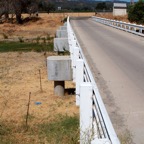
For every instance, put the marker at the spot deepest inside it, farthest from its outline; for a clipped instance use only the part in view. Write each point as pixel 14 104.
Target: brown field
pixel 110 16
pixel 45 25
pixel 19 75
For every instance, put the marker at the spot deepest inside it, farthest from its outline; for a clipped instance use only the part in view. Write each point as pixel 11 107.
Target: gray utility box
pixel 61 34
pixel 59 68
pixel 63 28
pixel 61 44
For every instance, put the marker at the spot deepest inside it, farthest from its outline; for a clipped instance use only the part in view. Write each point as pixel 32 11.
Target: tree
pixel 136 12
pixel 47 6
pixel 101 6
pixel 17 7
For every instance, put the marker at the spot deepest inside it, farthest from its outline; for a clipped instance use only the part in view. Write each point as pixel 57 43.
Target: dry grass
pixel 19 75
pixel 110 16
pixel 45 24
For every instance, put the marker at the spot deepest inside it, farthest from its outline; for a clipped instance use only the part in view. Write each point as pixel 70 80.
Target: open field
pixel 19 76
pixel 44 25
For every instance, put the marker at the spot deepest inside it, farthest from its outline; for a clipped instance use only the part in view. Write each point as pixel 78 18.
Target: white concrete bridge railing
pixel 95 124
pixel 128 27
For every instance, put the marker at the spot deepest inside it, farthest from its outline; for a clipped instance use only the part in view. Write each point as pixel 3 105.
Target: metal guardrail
pixel 128 27
pixel 93 114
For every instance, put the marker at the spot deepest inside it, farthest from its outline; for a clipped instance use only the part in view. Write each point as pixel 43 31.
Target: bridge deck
pixel 117 60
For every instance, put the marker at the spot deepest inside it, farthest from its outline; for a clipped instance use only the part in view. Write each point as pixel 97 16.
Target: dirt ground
pixel 19 75
pixel 45 24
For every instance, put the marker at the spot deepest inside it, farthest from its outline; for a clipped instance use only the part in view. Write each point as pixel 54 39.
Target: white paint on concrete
pixel 79 79
pixel 61 34
pixel 61 44
pixel 85 112
pixel 59 68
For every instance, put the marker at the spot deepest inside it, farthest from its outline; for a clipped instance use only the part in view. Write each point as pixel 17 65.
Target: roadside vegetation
pixel 63 129
pixel 25 47
pixel 136 12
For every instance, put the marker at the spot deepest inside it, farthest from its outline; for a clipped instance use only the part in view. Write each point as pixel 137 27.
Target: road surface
pixel 117 61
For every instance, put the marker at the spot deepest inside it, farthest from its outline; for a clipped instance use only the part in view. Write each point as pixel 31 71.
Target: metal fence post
pixel 79 79
pixel 85 113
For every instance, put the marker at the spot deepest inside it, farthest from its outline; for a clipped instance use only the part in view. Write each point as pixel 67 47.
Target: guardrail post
pixel 140 30
pixel 84 92
pixel 72 44
pixel 85 113
pixel 74 59
pixel 79 79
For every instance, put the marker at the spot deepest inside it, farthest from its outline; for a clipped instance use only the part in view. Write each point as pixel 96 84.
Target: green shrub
pixel 136 12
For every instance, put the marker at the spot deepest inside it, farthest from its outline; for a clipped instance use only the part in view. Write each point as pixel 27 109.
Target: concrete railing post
pixel 72 44
pixel 79 79
pixel 74 59
pixel 101 141
pixel 85 113
pixel 59 70
pixel 59 88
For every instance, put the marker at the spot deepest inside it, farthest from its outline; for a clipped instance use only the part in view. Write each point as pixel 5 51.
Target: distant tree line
pixel 84 6
pixel 17 7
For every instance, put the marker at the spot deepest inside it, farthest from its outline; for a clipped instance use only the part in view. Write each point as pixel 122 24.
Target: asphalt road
pixel 117 61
